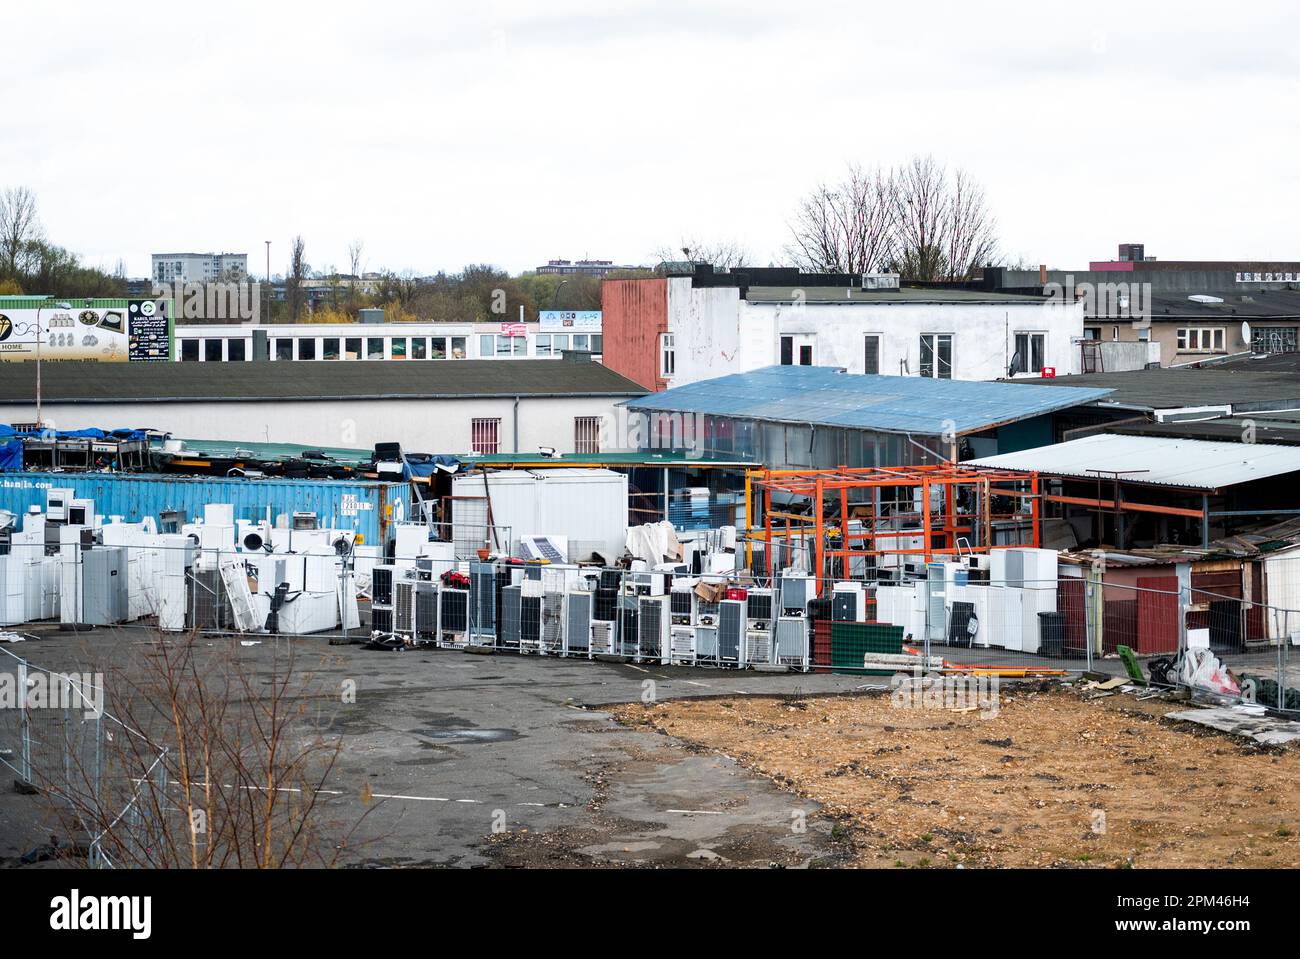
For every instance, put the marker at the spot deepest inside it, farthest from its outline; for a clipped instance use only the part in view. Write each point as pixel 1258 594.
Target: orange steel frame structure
pixel 822 485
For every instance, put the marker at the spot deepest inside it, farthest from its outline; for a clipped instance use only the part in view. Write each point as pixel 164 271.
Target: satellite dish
pixel 1245 332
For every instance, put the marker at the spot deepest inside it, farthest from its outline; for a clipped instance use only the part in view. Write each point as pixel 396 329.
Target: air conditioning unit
pixel 404 608
pixel 653 629
pixel 602 638
pixel 381 584
pixel 758 647
pixel 682 602
pixel 426 610
pixel 453 617
pixel 628 638
pixel 577 627
pixel 848 602
pixel 511 617
pixel 682 639
pixel 792 642
pixel 731 630
pixel 759 605
pixel 706 644
pixel 796 588
pixel 552 623
pixel 483 601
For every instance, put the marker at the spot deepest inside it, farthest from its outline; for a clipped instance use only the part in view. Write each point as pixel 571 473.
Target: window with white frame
pixel 936 355
pixel 1201 339
pixel 1030 348
pixel 667 355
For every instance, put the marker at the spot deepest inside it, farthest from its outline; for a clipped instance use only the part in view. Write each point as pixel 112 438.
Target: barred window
pixel 484 435
pixel 586 434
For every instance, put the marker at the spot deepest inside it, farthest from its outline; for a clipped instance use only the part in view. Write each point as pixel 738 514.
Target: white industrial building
pixel 460 408
pixel 673 331
pixel 943 334
pixel 552 336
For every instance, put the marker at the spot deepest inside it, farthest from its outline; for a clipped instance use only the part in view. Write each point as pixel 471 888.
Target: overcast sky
pixel 511 133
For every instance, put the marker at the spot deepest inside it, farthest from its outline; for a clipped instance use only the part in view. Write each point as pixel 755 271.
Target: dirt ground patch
pixel 936 787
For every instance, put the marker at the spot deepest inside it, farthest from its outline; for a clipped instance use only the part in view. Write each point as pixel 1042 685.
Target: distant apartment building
pixel 198 267
pixel 664 332
pixel 580 267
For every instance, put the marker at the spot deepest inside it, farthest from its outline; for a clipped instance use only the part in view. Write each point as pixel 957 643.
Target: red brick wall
pixel 633 314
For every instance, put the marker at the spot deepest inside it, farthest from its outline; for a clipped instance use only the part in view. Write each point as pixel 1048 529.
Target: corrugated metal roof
pixel 826 396
pixel 1198 464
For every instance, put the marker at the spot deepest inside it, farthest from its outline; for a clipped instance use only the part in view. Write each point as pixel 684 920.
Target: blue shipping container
pixel 367 507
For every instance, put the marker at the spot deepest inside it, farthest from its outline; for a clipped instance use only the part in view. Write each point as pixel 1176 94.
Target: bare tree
pixel 972 231
pixel 915 220
pixel 844 228
pixel 918 205
pixel 20 227
pixel 355 249
pixel 722 254
pixel 298 270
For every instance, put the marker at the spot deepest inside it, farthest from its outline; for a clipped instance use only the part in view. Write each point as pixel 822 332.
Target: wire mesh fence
pixel 57 739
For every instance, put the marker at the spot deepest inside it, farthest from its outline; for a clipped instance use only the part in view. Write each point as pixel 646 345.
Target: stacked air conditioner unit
pixel 511 617
pixel 532 595
pixel 404 610
pixel 453 617
pixel 791 639
pixel 654 625
pixel 628 641
pixel 796 588
pixel 848 602
pixel 682 645
pixel 731 631
pixel 483 602
pixel 382 582
pixel 579 605
pixel 602 638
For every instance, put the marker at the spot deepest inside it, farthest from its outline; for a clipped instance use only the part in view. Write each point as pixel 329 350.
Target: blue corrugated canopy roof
pixel 826 396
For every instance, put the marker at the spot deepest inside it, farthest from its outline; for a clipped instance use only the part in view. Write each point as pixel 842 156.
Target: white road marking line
pixel 692 682
pixel 638 669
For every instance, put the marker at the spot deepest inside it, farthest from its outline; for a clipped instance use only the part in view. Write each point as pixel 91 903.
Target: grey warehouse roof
pixel 1196 464
pixel 69 382
pixel 826 396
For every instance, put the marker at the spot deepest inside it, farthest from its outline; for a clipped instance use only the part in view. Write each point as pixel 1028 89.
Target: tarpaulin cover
pixel 11 455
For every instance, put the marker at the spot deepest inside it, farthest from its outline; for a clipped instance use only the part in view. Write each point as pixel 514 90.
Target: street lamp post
pixel 56 306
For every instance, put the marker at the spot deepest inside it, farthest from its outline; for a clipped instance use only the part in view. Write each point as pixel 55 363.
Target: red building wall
pixel 633 314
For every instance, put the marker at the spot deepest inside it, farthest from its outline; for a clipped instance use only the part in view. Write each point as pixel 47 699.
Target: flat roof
pixel 1165 461
pixel 613 460
pixel 827 396
pixel 907 294
pixel 277 381
pixel 1238 385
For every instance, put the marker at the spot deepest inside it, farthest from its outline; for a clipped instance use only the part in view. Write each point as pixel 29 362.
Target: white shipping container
pixel 589 506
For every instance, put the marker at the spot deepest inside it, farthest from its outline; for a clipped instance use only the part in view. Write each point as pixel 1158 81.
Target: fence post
pixel 25 726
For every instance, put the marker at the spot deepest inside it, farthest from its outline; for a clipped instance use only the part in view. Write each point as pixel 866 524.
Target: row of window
pixel 936 352
pixel 217 349
pixel 485 435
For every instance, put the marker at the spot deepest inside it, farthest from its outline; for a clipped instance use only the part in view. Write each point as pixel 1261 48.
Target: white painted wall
pixel 717 333
pixel 429 426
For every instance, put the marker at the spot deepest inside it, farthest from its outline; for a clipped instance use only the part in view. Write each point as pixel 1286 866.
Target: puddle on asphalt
pixel 472 735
